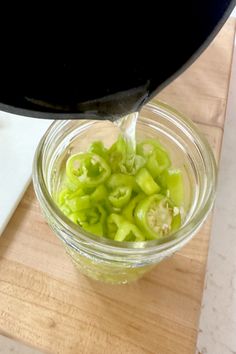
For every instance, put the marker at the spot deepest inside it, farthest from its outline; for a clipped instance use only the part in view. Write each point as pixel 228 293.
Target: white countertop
pixel 217 331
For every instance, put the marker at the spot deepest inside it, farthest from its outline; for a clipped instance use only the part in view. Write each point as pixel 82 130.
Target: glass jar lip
pixel 75 234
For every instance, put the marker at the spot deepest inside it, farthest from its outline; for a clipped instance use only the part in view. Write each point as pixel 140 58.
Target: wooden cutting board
pixel 46 303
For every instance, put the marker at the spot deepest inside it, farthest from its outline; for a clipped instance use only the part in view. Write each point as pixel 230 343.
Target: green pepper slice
pixel 157 216
pixel 63 195
pixel 100 194
pixel 128 211
pixel 146 182
pixel 172 181
pixel 128 232
pixel 157 162
pixel 87 169
pixel 66 194
pixel 91 220
pixel 78 203
pixel 97 147
pixel 113 223
pixel 120 229
pixel 120 179
pixel 120 196
pixel 146 147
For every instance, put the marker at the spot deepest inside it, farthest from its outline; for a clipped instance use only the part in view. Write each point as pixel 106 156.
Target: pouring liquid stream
pixel 127 126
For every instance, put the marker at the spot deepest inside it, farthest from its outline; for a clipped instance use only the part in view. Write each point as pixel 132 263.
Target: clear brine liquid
pixel 127 125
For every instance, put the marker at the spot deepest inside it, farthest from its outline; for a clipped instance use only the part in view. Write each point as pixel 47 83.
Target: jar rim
pixel 76 237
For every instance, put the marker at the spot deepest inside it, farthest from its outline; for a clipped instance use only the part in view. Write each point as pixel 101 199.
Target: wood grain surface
pixel 46 303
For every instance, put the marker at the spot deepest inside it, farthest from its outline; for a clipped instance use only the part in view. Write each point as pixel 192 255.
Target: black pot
pixel 115 61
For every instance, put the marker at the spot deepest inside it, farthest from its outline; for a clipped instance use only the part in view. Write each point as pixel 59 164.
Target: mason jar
pixel 122 262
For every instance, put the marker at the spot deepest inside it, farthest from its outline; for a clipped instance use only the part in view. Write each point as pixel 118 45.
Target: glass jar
pixel 122 262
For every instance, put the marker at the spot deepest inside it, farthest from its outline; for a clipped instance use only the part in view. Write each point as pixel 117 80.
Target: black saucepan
pixel 109 62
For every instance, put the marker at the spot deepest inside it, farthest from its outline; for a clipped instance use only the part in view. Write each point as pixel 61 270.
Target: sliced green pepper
pixel 146 182
pixel 128 211
pixel 96 229
pixel 128 232
pixel 172 181
pixel 63 195
pixel 98 148
pixel 100 194
pixel 120 179
pixel 66 194
pixel 79 203
pixel 90 192
pixel 113 223
pixel 73 187
pixel 87 169
pixel 146 147
pixel 120 229
pixel 157 216
pixel 110 209
pixel 157 162
pixel 91 220
pixel 120 196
